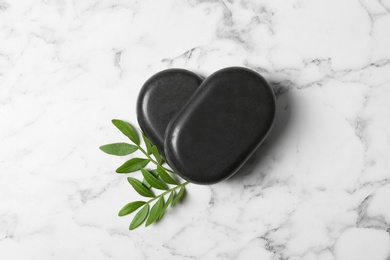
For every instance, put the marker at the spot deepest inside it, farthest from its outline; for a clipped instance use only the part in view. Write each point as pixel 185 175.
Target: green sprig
pixel 158 179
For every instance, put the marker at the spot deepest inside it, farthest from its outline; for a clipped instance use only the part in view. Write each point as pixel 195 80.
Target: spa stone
pixel 160 98
pixel 221 126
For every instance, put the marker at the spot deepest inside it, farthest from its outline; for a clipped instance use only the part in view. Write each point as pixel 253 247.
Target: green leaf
pixel 156 154
pixel 119 149
pixel 153 181
pixel 179 195
pixel 127 130
pixel 132 165
pixel 170 198
pixel 140 188
pixel 146 184
pixel 154 172
pixel 165 176
pixel 147 144
pixel 140 217
pixel 155 211
pixel 132 206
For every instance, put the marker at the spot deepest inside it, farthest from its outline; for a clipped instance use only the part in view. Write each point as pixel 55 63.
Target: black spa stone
pixel 220 127
pixel 160 98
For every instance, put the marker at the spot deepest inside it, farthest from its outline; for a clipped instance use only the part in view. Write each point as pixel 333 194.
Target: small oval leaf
pixel 165 176
pixel 155 211
pixel 179 195
pixel 147 144
pixel 156 154
pixel 119 149
pixel 153 181
pixel 140 188
pixel 140 217
pixel 170 198
pixel 132 165
pixel 127 130
pixel 130 207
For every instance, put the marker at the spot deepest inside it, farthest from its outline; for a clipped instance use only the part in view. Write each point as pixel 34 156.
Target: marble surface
pixel 319 187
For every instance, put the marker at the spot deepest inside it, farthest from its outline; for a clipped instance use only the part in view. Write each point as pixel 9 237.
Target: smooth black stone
pixel 221 126
pixel 160 98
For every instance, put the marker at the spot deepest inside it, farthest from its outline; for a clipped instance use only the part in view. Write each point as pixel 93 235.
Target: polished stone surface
pixel 160 98
pixel 316 189
pixel 221 125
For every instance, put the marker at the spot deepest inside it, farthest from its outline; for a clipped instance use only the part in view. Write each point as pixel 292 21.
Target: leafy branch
pixel 157 179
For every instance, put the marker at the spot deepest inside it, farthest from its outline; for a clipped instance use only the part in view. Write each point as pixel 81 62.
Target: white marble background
pixel 319 188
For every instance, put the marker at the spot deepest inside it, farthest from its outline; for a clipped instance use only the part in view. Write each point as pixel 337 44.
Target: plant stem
pixel 168 191
pixel 151 159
